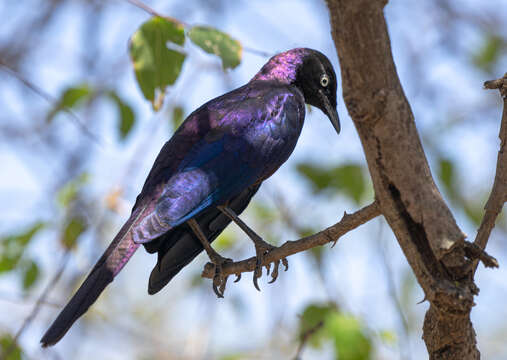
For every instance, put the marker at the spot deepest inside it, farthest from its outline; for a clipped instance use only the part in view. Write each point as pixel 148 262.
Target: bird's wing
pixel 123 247
pixel 207 161
pixel 213 172
pixel 227 159
pixel 178 247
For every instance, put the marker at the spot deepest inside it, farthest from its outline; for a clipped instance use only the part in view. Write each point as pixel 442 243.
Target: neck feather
pixel 283 67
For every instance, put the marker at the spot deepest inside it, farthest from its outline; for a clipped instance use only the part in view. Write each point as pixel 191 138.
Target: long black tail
pixel 110 263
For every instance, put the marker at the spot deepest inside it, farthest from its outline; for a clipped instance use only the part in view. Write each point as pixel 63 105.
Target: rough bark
pixel 405 191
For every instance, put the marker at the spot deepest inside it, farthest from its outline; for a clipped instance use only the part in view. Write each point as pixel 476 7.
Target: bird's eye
pixel 324 80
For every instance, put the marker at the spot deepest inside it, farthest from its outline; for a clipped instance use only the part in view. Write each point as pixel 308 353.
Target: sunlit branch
pixel 498 195
pixel 331 234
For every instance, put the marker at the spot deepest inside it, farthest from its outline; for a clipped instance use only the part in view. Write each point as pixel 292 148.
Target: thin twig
pixel 18 299
pixel 331 234
pixel 153 12
pixel 40 301
pixel 498 195
pixel 257 51
pixel 305 336
pixel 50 99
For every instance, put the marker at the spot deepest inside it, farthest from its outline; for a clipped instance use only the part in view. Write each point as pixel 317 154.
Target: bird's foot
pixel 219 280
pixel 262 248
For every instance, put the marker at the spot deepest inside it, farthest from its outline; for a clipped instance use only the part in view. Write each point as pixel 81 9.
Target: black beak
pixel 331 112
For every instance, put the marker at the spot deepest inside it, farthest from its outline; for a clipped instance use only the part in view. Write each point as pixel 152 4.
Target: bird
pixel 208 171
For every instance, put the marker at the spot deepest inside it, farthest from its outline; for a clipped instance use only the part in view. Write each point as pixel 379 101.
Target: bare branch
pixel 497 84
pixel 498 195
pixel 404 186
pixel 305 336
pixel 24 300
pixel 331 234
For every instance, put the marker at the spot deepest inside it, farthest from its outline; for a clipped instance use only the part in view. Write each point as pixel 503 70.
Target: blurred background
pixel 77 140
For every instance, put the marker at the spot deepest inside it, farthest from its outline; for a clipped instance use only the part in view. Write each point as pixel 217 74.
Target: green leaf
pixel 177 118
pixel 127 116
pixel 488 54
pixel 71 232
pixel 155 65
pixel 12 247
pixel 446 173
pixel 30 274
pixel 70 98
pixel 474 212
pixel 348 178
pixel 327 322
pixel 350 342
pixel 214 41
pixel 6 344
pixel 312 321
pixel 68 192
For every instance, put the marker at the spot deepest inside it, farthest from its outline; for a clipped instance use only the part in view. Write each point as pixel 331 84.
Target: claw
pixel 219 281
pixel 222 286
pixel 257 272
pixel 268 268
pixel 216 283
pixel 255 283
pixel 285 263
pixel 274 274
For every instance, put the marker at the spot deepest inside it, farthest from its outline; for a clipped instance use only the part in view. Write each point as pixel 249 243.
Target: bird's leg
pixel 218 260
pixel 261 247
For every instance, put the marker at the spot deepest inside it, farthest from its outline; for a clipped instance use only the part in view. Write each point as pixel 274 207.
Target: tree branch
pixel 498 195
pixel 305 336
pixel 404 187
pixel 331 234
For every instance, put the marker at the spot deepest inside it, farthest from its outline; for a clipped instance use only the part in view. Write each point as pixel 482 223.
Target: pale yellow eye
pixel 324 80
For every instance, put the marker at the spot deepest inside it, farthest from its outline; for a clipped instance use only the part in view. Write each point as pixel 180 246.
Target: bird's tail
pixel 108 266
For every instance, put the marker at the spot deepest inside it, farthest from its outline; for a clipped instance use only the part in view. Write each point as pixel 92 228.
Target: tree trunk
pixel 404 188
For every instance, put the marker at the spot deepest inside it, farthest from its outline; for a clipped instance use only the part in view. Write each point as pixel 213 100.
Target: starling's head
pixel 312 72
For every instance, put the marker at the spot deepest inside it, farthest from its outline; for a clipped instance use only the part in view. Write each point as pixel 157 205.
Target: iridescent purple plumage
pixel 219 156
pixel 283 67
